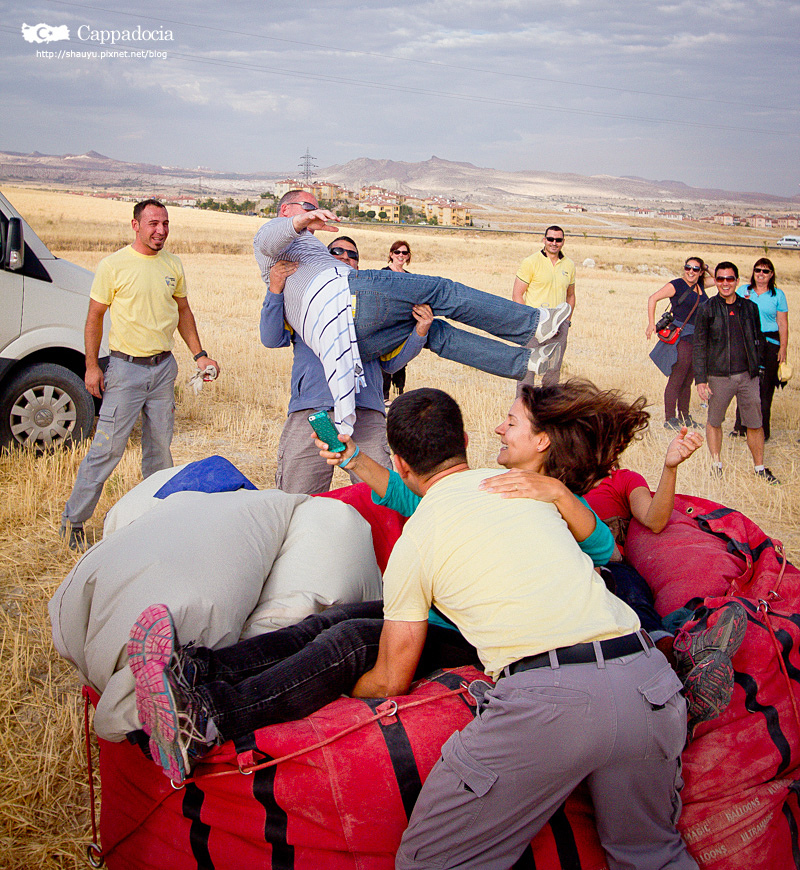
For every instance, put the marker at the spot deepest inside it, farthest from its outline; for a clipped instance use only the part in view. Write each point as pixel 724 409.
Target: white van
pixel 789 242
pixel 43 305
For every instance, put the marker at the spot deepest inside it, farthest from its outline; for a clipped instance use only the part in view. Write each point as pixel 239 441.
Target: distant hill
pixel 462 181
pixel 476 184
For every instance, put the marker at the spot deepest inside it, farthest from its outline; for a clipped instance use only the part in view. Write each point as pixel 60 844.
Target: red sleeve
pixel 612 496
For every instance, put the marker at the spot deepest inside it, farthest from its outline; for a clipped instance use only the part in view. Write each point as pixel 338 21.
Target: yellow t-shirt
pixel 547 284
pixel 507 572
pixel 141 292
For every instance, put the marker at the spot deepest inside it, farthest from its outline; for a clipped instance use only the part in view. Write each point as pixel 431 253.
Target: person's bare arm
pixel 666 292
pixel 187 327
pixel 654 511
pixel 363 466
pixel 571 298
pixel 518 290
pixel 92 337
pixel 398 656
pixel 783 333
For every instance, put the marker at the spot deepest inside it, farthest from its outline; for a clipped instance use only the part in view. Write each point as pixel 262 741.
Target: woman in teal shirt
pixel 774 311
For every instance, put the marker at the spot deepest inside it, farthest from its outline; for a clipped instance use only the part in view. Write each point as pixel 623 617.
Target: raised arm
pixel 653 511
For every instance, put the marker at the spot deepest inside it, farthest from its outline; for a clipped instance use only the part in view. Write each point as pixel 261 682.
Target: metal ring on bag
pixel 93 849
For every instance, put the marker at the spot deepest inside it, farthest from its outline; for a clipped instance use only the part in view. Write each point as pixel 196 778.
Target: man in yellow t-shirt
pixel 581 693
pixel 547 278
pixel 143 289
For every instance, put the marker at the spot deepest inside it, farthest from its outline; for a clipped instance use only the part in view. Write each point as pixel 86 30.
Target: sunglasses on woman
pixel 402 253
pixel 763 271
pixel 692 269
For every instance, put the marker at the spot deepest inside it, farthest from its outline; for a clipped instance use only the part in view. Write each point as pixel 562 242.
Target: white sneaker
pixel 544 358
pixel 550 320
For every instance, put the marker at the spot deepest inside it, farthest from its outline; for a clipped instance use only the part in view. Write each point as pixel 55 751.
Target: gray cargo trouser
pixel 130 390
pixel 620 724
pixel 302 469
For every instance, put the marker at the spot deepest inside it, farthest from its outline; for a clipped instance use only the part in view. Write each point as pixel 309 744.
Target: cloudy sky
pixel 700 92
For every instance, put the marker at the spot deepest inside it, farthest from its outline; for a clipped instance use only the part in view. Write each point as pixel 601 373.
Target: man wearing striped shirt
pixel 319 298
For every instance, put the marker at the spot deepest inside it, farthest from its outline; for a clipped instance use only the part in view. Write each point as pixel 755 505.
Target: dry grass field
pixel 44 820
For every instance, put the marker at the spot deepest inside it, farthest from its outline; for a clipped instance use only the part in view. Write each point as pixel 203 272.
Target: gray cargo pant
pixel 619 724
pixel 302 469
pixel 130 390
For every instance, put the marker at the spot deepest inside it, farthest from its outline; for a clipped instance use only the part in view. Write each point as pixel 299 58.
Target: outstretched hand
pixel 682 446
pixel 316 220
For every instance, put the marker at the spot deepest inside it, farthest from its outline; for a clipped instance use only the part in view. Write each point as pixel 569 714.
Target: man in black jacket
pixel 728 353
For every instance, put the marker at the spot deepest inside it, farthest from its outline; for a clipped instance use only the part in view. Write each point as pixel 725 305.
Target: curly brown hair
pixel 588 429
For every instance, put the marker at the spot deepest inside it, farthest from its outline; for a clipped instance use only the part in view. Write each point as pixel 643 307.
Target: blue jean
pixel 289 673
pixel 383 320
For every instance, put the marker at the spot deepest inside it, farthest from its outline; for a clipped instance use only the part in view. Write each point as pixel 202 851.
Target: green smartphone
pixel 326 431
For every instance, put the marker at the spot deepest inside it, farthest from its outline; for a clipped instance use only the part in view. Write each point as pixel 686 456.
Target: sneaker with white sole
pixel 550 320
pixel 179 727
pixel 152 637
pixel 543 358
pixel 766 475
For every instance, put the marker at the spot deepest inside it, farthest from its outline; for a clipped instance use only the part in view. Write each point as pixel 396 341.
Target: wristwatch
pixel 198 355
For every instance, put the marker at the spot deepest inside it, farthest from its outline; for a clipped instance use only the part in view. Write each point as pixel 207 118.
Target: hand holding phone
pixel 326 431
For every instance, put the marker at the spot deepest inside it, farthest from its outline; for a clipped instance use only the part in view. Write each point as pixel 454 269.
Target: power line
pixel 495 101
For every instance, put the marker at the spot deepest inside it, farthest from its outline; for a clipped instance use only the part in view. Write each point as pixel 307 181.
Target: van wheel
pixel 45 406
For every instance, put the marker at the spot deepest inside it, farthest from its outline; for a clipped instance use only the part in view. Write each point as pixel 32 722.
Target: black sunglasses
pixel 688 268
pixel 553 239
pixel 344 252
pixel 763 271
pixel 398 251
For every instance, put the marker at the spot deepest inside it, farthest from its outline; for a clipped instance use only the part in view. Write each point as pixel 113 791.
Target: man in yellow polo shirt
pixel 143 289
pixel 547 278
pixel 581 693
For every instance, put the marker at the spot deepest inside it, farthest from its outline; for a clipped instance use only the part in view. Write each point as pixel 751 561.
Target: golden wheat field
pixel 44 805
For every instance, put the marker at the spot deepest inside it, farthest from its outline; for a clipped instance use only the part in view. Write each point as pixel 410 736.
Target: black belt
pixel 142 360
pixel 582 653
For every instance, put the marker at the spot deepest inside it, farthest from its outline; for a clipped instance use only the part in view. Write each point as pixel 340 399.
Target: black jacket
pixel 711 354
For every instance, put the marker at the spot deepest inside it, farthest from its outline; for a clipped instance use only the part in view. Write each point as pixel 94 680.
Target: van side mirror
pixel 14 258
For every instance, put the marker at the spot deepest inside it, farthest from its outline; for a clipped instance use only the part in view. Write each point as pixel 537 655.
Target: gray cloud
pixel 616 88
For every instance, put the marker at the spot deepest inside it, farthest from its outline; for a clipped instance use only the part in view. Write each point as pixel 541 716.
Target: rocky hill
pixel 462 181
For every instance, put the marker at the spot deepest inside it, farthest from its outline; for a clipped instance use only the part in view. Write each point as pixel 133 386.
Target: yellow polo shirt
pixel 507 572
pixel 140 292
pixel 547 284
